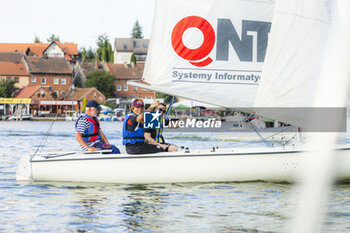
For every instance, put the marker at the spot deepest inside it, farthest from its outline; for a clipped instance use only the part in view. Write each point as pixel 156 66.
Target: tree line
pixel 103 50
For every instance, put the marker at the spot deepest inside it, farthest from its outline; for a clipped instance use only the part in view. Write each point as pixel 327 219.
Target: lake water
pixel 194 207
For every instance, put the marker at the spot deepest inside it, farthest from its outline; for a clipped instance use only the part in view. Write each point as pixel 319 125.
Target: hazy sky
pixel 77 21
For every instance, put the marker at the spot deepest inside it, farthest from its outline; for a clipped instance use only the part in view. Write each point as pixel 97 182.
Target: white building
pixel 125 47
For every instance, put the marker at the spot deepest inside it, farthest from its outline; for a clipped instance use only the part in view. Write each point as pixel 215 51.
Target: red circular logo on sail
pixel 194 56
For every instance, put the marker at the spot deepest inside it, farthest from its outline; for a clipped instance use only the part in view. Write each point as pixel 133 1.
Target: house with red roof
pixel 78 94
pixel 53 74
pixel 44 104
pixel 53 49
pixel 12 67
pixel 37 94
pixel 44 66
pixel 34 92
pixel 122 74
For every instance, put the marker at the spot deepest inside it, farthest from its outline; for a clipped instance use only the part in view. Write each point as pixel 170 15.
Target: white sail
pixel 316 178
pixel 207 50
pixel 299 35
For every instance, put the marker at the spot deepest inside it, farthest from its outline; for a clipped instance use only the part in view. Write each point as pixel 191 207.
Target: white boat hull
pixel 267 165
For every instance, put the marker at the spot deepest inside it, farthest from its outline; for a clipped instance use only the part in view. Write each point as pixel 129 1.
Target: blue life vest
pixel 92 133
pixel 132 137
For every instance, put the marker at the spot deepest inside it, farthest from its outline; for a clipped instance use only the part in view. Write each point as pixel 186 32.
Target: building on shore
pixel 79 94
pixel 124 48
pixel 53 49
pixel 36 94
pixel 12 67
pixel 124 93
pixel 54 74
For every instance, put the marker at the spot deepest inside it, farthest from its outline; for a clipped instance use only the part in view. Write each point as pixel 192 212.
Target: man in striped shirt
pixel 88 132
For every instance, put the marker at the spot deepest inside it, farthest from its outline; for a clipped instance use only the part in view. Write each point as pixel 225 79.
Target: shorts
pixel 104 146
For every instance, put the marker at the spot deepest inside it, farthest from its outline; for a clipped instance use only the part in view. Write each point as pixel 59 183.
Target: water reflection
pixel 142 207
pixel 131 208
pixel 87 207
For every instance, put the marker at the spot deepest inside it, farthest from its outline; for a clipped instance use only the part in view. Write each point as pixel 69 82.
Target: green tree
pixel 7 88
pixel 136 31
pixel 90 55
pixel 102 81
pixel 37 40
pixel 78 81
pixel 133 59
pixel 84 105
pixel 104 54
pixel 83 54
pixel 109 52
pixel 53 37
pixel 111 60
pixel 167 98
pixel 102 42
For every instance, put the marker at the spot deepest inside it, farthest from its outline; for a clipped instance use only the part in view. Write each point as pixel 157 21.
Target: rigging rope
pixel 159 133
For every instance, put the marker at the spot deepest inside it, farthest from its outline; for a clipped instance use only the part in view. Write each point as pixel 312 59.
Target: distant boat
pixel 24 118
pixel 71 115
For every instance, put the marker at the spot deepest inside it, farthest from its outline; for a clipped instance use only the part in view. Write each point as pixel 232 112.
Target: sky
pixel 75 21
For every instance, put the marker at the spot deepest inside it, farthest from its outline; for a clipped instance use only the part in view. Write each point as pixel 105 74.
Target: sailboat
pixel 224 70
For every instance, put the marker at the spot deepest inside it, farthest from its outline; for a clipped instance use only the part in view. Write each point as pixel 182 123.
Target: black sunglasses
pixel 161 110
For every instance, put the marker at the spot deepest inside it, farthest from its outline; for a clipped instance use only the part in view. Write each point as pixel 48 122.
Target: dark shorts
pixel 142 148
pixel 104 146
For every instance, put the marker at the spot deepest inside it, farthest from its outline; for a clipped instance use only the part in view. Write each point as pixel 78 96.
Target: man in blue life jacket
pixel 88 132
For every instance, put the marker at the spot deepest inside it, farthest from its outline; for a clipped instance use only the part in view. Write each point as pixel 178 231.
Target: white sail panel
pixel 208 49
pixel 299 35
pixel 305 64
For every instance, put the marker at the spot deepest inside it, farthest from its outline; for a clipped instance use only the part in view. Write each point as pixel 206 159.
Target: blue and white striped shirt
pixel 80 127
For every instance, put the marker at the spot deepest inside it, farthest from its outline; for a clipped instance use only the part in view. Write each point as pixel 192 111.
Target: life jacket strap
pixel 90 135
pixel 133 137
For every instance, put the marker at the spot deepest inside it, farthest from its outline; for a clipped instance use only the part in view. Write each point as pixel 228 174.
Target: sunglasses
pixel 161 110
pixel 138 103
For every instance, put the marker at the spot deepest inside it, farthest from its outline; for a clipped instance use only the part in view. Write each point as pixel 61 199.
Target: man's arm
pixel 151 141
pixel 79 138
pixel 153 106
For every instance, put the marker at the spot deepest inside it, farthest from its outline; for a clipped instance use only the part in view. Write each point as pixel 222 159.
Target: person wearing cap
pixel 133 131
pixel 88 132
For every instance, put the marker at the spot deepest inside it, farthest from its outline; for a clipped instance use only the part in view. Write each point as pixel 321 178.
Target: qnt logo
pixel 194 55
pixel 249 47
